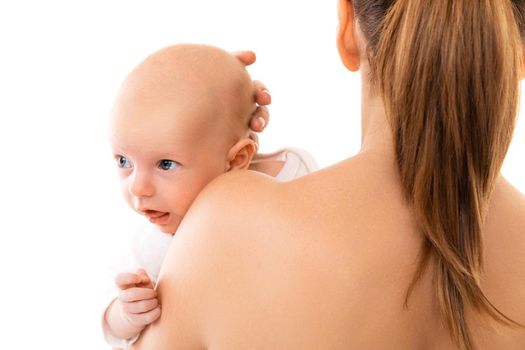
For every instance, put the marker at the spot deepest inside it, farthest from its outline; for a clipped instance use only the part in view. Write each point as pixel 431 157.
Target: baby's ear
pixel 241 154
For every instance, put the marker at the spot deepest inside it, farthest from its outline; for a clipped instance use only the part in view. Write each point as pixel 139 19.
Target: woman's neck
pixel 376 134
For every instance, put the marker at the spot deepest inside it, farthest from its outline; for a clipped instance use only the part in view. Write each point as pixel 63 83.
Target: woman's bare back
pixel 330 270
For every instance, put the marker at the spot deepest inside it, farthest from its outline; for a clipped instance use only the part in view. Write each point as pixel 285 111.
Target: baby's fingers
pixel 145 281
pixel 136 294
pixel 145 318
pixel 126 279
pixel 139 307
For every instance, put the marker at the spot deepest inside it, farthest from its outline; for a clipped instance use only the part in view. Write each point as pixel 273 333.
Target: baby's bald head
pixel 180 120
pixel 204 85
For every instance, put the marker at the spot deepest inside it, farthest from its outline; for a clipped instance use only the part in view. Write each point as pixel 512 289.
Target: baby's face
pixel 165 154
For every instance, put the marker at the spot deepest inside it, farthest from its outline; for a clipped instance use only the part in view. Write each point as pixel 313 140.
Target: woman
pixel 415 243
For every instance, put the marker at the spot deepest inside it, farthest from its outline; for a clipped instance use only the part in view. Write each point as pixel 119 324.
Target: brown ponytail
pixel 448 72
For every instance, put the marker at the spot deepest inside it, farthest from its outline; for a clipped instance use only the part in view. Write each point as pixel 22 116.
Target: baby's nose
pixel 141 186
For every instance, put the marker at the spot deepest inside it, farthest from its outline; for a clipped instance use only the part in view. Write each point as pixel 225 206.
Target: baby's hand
pixel 137 300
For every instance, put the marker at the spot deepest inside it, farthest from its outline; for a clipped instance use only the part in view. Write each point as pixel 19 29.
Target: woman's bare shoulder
pixel 237 185
pixel 505 224
pixel 209 259
pixel 507 207
pixel 250 243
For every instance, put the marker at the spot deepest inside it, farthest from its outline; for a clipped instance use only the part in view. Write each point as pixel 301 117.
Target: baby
pixel 181 119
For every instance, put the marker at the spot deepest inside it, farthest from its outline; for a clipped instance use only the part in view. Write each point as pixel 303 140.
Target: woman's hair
pixel 448 72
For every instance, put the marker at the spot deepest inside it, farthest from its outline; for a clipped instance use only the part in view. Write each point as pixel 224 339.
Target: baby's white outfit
pixel 150 244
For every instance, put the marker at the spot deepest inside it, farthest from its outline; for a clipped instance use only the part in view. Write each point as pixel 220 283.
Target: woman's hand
pixel 260 116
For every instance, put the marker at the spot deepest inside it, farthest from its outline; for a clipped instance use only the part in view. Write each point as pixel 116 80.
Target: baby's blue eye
pixel 167 164
pixel 122 162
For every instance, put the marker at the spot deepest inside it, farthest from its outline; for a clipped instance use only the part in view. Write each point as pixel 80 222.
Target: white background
pixel 61 63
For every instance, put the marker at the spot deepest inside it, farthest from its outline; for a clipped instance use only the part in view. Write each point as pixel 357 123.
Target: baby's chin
pixel 167 230
pixel 172 227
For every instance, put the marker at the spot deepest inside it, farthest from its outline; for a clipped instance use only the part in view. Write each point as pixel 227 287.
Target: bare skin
pixel 174 128
pixel 323 262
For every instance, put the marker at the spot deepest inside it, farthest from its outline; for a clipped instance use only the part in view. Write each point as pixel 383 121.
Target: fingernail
pixel 262 121
pixel 268 93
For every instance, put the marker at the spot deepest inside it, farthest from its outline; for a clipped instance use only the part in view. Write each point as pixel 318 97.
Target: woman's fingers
pixel 262 95
pixel 246 57
pixel 260 119
pixel 261 116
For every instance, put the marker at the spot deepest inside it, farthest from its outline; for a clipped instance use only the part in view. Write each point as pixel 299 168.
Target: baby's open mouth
pixel 157 217
pixel 154 213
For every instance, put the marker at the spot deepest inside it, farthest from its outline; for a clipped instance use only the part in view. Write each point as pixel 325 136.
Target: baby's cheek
pixel 181 201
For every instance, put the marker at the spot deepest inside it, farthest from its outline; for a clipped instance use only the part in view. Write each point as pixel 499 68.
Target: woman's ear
pixel 346 36
pixel 241 154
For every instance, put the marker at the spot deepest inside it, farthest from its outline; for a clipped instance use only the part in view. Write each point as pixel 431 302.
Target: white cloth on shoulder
pixel 297 162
